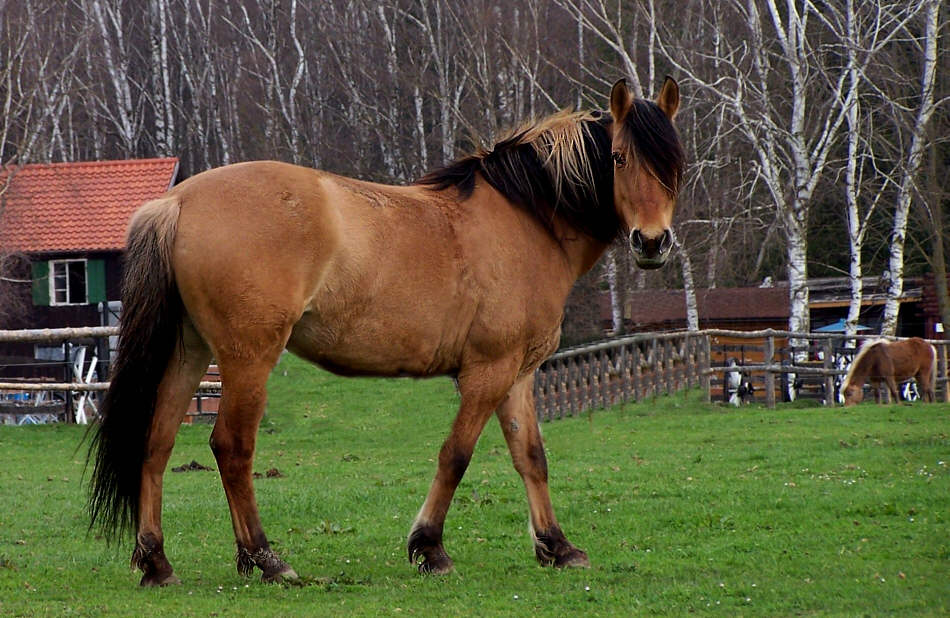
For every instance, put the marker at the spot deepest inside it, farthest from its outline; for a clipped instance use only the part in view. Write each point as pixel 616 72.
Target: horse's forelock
pixel 649 135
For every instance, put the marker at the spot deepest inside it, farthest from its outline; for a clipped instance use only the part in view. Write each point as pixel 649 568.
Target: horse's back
pixel 358 277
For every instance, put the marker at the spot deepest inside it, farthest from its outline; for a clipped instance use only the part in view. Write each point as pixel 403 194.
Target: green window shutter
pixel 96 281
pixel 40 283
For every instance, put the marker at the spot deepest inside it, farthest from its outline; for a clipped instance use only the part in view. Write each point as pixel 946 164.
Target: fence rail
pixel 626 369
pixel 621 370
pixel 77 395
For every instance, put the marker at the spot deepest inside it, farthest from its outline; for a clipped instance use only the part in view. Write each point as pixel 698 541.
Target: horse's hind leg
pixel 187 365
pixel 233 441
pixel 926 382
pixel 520 425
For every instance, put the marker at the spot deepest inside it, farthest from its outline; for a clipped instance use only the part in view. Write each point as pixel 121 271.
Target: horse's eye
pixel 620 159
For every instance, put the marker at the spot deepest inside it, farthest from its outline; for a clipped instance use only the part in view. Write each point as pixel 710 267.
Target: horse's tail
pixel 150 327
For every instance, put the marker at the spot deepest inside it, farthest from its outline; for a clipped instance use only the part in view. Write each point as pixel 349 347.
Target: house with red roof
pixel 67 221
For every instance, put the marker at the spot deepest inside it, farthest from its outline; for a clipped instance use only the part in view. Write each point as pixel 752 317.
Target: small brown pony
pixel 464 273
pixel 891 362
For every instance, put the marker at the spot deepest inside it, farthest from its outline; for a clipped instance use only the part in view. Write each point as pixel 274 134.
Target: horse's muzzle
pixel 651 253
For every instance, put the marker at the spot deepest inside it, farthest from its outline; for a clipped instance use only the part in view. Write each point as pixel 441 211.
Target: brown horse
pixel 891 362
pixel 464 274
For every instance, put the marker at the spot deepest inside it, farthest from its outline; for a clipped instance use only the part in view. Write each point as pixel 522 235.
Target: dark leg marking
pixel 538 459
pixel 457 463
pixel 552 548
pixel 149 557
pixel 425 550
pixel 266 560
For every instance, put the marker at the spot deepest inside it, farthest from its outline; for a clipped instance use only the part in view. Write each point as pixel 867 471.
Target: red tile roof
pixel 61 207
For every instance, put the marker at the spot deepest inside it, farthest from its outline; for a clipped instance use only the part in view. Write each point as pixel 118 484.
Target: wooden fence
pixel 782 363
pixel 76 390
pixel 778 364
pixel 620 370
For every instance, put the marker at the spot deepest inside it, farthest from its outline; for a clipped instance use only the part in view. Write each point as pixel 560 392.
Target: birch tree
pixel 120 111
pixel 779 104
pixel 161 78
pixel 864 30
pixel 911 165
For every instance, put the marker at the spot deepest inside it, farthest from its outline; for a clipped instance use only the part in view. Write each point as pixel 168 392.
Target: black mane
pixel 515 169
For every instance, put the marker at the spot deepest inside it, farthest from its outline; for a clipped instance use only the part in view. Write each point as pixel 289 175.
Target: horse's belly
pixel 372 348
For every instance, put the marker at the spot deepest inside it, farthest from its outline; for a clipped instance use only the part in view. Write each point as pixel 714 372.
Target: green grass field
pixel 682 507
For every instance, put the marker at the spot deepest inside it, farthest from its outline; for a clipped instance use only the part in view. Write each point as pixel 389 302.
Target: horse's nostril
pixel 666 241
pixel 636 241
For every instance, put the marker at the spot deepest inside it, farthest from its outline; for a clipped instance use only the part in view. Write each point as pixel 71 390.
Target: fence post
pixel 655 368
pixel 68 377
pixel 942 370
pixel 830 395
pixel 769 353
pixel 704 377
pixel 624 376
pixel 637 374
pixel 689 349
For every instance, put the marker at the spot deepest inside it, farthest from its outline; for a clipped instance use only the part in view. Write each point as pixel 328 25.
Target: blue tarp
pixel 837 327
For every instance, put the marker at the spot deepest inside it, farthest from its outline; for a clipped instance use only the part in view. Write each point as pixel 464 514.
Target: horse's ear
pixel 669 98
pixel 620 100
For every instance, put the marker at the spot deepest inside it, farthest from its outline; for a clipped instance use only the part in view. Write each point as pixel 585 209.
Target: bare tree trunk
pixel 616 301
pixel 895 273
pixel 856 228
pixel 116 56
pixel 161 90
pixel 689 288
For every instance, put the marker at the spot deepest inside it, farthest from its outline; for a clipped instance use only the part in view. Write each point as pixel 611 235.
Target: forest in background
pixel 816 131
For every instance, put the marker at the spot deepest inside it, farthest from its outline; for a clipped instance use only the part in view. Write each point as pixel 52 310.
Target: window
pixel 73 281
pixel 67 282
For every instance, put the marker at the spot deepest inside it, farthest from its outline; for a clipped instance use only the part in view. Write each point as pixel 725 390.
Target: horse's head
pixel 648 164
pixel 853 394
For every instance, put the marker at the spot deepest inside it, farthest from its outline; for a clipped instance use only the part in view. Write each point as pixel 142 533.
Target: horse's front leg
pixel 520 425
pixel 481 390
pixel 892 389
pixel 233 441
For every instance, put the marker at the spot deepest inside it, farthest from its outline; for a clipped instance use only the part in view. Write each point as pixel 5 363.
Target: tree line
pixel 806 122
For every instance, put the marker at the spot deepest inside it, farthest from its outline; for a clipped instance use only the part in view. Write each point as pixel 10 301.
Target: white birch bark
pixel 790 145
pixel 613 286
pixel 161 89
pixel 895 284
pixel 116 60
pixel 386 127
pixel 689 287
pixel 423 151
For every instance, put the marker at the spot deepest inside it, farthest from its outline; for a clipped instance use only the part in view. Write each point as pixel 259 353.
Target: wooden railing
pixel 620 370
pixel 74 406
pixel 776 360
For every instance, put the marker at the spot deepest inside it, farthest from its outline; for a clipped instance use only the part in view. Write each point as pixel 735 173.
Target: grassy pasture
pixel 682 507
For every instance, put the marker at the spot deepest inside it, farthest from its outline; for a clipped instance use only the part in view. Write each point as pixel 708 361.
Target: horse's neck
pixel 581 251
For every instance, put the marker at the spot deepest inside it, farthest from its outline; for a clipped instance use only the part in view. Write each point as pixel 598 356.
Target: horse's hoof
pixel 437 566
pixel 285 574
pixel 574 559
pixel 149 581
